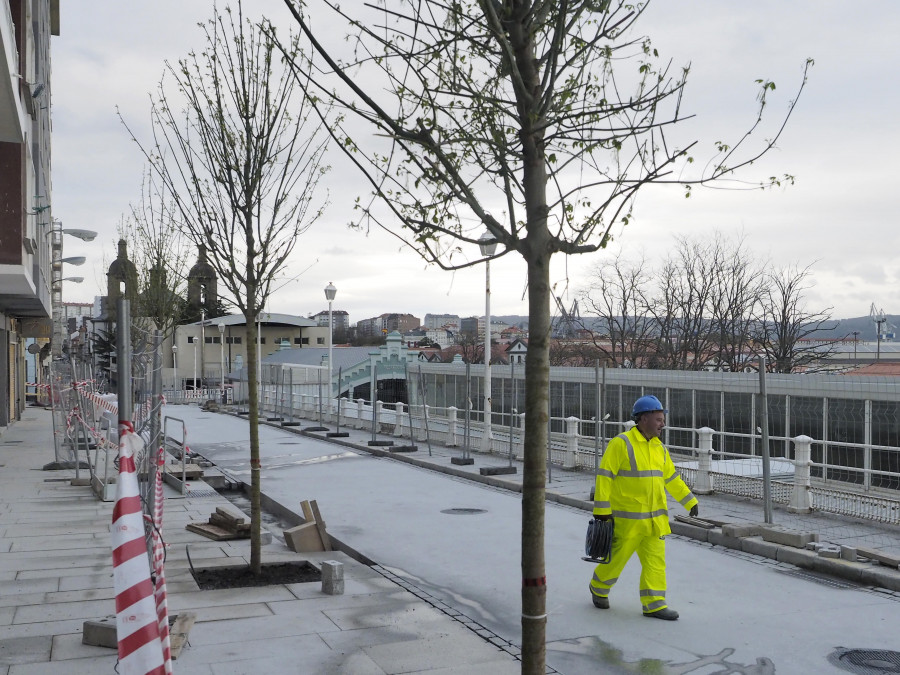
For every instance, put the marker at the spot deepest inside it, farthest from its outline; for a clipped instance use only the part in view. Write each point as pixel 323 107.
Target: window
pixel 320 341
pixel 233 340
pixel 192 339
pixel 304 341
pixel 213 339
pixel 297 341
pixel 262 340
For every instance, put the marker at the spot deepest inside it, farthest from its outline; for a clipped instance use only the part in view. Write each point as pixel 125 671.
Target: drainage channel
pixel 481 631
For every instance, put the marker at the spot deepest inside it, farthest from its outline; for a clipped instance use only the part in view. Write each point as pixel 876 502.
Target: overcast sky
pixel 842 145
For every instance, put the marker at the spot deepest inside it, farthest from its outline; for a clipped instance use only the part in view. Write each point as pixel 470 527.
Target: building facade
pixel 27 288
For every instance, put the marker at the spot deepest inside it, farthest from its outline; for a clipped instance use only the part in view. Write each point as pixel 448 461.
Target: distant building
pixel 435 321
pixel 386 323
pixel 340 319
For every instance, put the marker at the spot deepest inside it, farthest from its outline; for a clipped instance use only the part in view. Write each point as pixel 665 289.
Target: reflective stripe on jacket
pixel 632 481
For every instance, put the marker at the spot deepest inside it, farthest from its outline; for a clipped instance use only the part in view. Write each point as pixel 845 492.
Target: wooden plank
pixel 214 532
pixel 307 511
pixel 320 525
pixel 178 632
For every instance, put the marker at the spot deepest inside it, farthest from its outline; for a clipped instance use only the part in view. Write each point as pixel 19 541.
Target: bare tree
pixel 617 296
pixel 686 284
pixel 738 283
pixel 159 252
pixel 233 147
pixel 786 330
pixel 537 121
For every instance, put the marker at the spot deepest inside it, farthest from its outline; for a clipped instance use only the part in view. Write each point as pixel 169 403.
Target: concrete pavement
pixel 56 572
pixel 443 596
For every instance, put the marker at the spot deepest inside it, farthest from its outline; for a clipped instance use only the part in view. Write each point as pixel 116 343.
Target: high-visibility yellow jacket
pixel 631 485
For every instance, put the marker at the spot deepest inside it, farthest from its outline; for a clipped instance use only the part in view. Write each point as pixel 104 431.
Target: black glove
pixel 695 511
pixel 606 517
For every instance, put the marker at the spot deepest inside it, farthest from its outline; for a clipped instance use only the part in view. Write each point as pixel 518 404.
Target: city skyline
pixel 838 146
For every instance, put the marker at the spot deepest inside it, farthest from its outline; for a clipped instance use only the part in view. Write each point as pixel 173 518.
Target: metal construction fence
pixel 833 442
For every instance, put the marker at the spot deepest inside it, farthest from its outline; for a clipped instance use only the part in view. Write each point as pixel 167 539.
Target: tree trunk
pixel 255 510
pixel 537 388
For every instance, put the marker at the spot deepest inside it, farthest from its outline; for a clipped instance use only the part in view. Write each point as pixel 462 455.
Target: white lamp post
pixel 488 245
pixel 330 292
pixel 222 357
pixel 195 363
pixel 174 368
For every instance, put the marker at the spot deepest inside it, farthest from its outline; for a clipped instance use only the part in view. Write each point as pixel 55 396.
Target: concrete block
pixel 796 556
pixel 462 461
pixel 881 577
pixel 849 553
pixel 786 537
pixel 332 577
pixel 719 538
pixel 813 546
pixel 881 557
pixel 829 551
pixel 496 470
pixel 734 530
pixel 835 567
pixel 692 531
pixel 758 546
pixel 303 538
pixel 100 633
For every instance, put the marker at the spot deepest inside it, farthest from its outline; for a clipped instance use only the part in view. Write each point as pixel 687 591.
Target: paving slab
pixel 25 650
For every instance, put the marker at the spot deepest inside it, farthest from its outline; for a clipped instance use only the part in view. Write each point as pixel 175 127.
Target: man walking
pixel 634 474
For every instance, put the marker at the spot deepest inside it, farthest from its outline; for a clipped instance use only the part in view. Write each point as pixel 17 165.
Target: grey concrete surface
pixel 443 593
pixel 56 572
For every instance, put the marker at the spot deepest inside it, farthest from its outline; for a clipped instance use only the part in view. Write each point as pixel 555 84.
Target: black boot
pixel 665 614
pixel 600 603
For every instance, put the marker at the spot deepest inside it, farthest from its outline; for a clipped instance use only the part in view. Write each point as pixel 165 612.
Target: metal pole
pixel 425 409
pixel 468 411
pixel 340 375
pixel 598 417
pixel 291 395
pixel 123 361
pixel 549 436
pixel 374 394
pixel 486 429
pixel 155 419
pixel 764 424
pixel 512 406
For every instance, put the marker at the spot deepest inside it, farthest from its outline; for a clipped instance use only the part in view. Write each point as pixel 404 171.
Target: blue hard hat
pixel 647 404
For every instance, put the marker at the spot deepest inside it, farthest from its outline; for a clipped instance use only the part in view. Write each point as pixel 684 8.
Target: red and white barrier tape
pixel 137 621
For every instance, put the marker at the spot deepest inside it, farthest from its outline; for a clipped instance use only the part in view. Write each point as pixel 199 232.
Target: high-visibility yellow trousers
pixel 651 552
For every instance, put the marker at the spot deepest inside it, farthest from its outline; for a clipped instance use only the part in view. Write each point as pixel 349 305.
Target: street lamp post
pixel 330 292
pixel 855 342
pixel 222 358
pixel 488 245
pixel 174 369
pixel 195 363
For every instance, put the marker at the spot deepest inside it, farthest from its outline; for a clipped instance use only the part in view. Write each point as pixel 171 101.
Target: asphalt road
pixel 739 613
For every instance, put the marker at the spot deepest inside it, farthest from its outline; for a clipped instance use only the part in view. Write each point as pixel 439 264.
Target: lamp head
pixel 330 292
pixel 488 244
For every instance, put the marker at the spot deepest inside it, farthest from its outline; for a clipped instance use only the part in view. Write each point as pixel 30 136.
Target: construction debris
pixel 311 535
pixel 222 525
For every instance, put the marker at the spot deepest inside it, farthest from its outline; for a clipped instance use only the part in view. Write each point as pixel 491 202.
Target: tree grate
pixel 463 511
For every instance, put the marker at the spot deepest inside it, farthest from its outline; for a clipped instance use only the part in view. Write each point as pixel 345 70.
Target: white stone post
pixel 800 502
pixel 451 426
pixel 398 419
pixel 704 483
pixel 571 442
pixel 360 404
pixel 521 436
pixel 376 411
